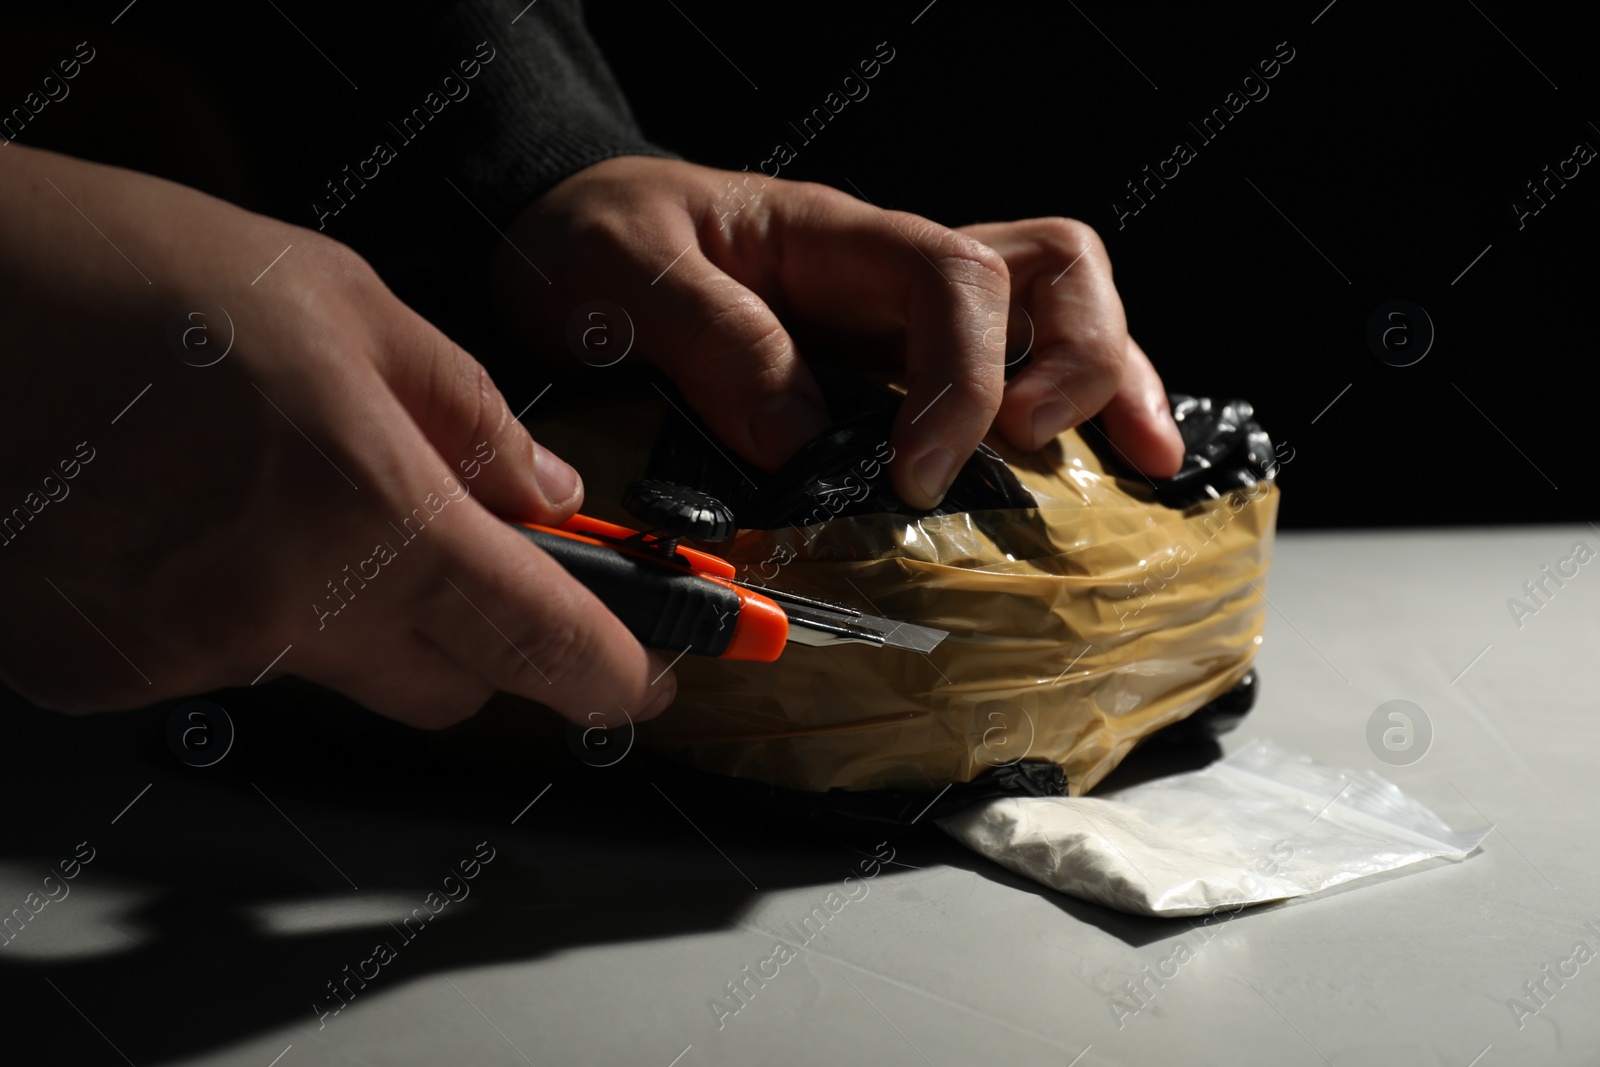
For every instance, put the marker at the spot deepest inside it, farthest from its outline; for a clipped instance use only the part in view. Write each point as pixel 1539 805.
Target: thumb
pixel 463 415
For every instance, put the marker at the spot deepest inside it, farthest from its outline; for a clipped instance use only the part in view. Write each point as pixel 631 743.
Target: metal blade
pixel 819 623
pixel 821 627
pixel 905 635
pixel 787 598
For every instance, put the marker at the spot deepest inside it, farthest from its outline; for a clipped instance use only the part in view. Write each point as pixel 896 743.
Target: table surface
pixel 621 901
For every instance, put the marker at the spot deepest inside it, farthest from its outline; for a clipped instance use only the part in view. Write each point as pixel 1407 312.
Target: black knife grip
pixel 662 606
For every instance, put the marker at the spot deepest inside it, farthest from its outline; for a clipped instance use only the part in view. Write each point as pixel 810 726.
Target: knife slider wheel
pixel 676 511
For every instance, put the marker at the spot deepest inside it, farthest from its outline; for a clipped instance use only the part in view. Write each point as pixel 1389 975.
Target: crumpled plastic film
pixel 1077 627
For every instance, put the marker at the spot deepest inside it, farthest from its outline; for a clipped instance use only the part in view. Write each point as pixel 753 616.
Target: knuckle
pixel 980 389
pixel 1094 362
pixel 740 315
pixel 960 257
pixel 737 326
pixel 342 264
pixel 489 411
pixel 337 275
pixel 821 199
pixel 459 393
pixel 1071 241
pixel 604 231
pixel 1068 237
pixel 971 389
pixel 1101 354
pixel 972 263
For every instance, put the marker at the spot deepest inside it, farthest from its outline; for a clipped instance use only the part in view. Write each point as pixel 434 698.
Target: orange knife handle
pixel 610 531
pixel 667 605
pixel 762 629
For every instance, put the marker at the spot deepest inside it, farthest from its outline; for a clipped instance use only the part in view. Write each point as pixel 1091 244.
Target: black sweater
pixel 412 131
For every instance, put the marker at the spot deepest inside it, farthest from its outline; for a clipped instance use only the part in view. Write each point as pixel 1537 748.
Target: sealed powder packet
pixel 1086 606
pixel 1267 823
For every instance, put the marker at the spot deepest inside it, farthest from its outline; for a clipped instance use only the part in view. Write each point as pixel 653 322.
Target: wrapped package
pixel 1086 606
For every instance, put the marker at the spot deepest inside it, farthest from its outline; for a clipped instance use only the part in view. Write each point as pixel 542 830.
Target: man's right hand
pixel 298 505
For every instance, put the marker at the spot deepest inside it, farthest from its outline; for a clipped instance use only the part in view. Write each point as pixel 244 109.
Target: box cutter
pixel 685 600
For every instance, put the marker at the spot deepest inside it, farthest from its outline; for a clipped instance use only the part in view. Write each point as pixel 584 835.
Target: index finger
pixel 850 265
pixel 505 612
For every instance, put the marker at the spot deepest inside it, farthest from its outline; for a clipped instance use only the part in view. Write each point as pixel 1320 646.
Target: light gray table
pixel 620 903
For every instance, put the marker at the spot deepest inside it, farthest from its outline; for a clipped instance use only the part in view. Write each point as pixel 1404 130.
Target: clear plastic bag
pixel 1264 824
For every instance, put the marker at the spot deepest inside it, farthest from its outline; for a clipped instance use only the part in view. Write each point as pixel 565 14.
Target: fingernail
pixel 1048 421
pixel 1164 413
pixel 665 690
pixel 781 425
pixel 557 481
pixel 934 472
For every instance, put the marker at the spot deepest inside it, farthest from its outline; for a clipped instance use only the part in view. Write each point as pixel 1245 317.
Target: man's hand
pixel 1082 361
pixel 708 263
pixel 231 453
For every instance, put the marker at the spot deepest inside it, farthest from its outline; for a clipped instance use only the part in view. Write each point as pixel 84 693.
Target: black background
pixel 1394 141
pixel 1390 149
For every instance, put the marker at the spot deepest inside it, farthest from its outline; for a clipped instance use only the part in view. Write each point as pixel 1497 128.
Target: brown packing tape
pixel 1076 628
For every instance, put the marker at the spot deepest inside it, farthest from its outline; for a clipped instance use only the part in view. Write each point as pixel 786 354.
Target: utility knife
pixel 689 601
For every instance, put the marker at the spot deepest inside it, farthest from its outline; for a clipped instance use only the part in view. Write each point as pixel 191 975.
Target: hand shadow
pixel 245 917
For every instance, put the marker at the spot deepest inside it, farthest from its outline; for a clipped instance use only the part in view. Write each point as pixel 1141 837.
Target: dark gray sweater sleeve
pixel 484 105
pixel 510 97
pixel 544 107
pixel 412 130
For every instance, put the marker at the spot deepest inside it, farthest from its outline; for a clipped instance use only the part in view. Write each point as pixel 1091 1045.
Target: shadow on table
pixel 236 879
pixel 255 889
